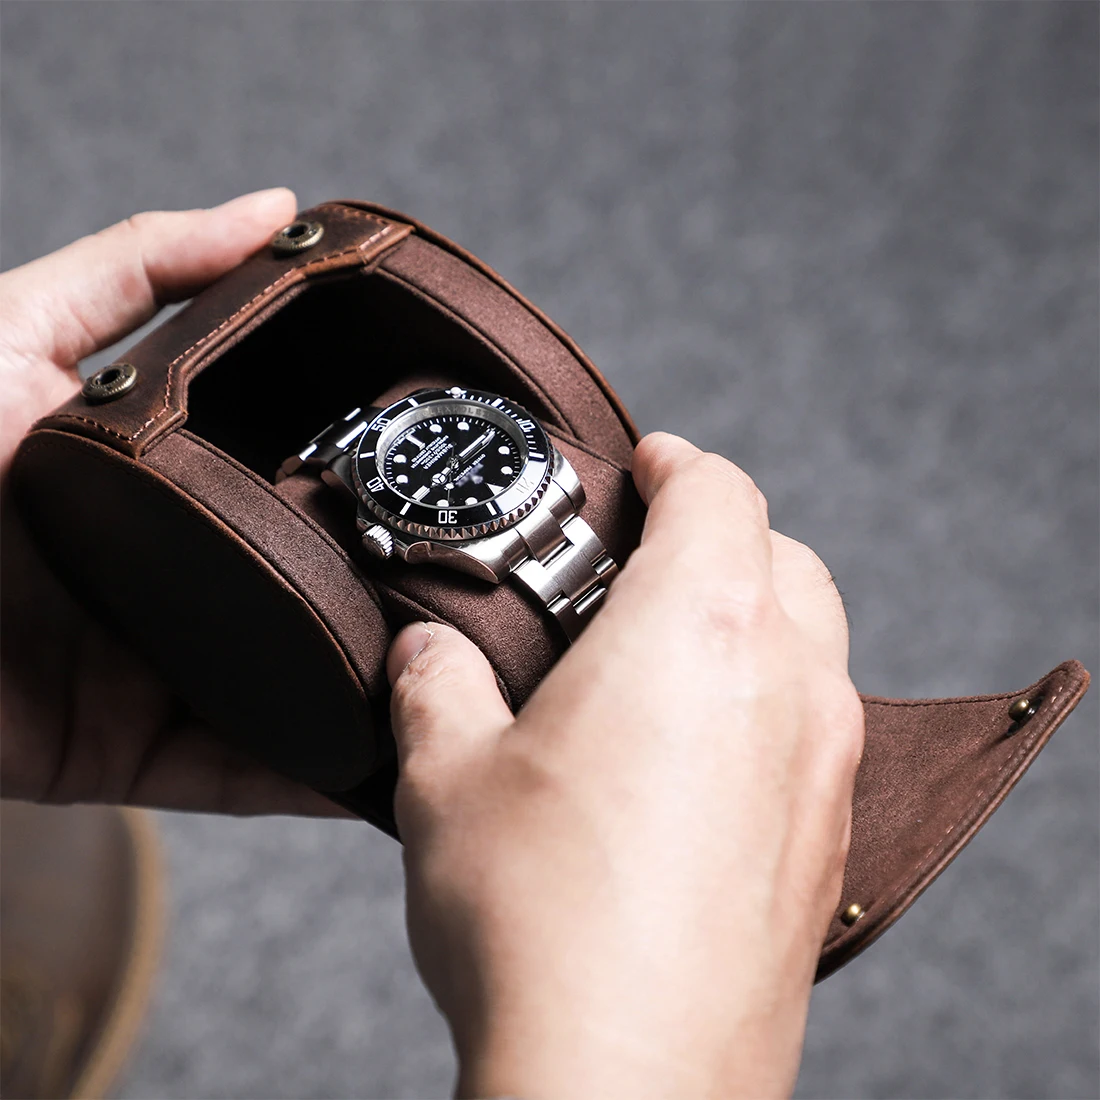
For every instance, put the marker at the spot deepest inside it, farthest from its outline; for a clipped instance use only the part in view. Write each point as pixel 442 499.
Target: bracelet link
pixel 571 575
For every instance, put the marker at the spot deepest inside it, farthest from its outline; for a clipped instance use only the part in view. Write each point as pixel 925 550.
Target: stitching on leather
pixel 209 337
pixel 969 701
pixel 912 880
pixel 444 307
pixel 994 781
pixel 355 212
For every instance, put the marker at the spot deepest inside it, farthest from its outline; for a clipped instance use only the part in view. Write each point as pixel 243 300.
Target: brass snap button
pixel 109 382
pixel 852 913
pixel 297 237
pixel 1021 710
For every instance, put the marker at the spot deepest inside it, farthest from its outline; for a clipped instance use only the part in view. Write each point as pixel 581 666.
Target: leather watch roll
pixel 158 506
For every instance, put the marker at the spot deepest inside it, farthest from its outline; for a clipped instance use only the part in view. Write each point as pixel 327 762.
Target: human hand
pixel 624 890
pixel 84 720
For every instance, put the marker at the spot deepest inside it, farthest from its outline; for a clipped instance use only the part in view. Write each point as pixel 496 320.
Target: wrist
pixel 553 1060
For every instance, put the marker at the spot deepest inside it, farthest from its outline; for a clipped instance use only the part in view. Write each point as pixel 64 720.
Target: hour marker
pixel 406 508
pixel 413 439
pixel 463 426
pixel 471 500
pixel 532 454
pixel 435 427
pixel 401 479
pixel 367 454
pixel 497 403
pixel 400 458
pixel 497 489
pixel 421 493
pixel 506 469
pixel 494 507
pixel 443 502
pixel 504 450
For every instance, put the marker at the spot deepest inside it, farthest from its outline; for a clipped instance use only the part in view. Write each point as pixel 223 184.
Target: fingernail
pixel 407 646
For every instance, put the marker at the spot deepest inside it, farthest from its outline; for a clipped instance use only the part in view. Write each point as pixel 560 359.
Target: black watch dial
pixel 453 463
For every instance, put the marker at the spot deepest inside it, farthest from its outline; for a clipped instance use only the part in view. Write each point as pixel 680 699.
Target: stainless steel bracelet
pixel 568 568
pixel 565 564
pixel 328 445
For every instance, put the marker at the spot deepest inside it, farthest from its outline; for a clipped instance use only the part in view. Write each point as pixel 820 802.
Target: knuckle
pixel 726 478
pixel 709 476
pixel 796 558
pixel 734 609
pixel 140 223
pixel 805 558
pixel 845 717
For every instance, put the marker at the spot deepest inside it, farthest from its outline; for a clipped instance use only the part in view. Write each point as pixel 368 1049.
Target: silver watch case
pixel 491 557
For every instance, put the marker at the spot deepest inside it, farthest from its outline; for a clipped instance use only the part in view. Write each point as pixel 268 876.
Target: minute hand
pixel 481 441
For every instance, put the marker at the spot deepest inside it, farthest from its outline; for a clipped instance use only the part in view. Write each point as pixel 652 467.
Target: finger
pixel 808 595
pixel 704 508
pixel 656 459
pixel 191 769
pixel 69 304
pixel 446 708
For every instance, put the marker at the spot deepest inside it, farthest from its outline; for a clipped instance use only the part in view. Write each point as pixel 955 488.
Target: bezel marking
pixel 472 520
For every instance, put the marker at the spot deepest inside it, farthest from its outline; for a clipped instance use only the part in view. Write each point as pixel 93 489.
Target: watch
pixel 471 481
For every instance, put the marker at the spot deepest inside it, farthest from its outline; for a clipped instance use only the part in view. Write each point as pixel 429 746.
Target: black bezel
pixel 465 521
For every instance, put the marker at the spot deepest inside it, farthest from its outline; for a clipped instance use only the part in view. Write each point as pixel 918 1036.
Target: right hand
pixel 624 890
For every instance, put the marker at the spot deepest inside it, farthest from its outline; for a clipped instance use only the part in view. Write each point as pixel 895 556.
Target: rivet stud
pixel 109 382
pixel 852 913
pixel 1021 710
pixel 296 237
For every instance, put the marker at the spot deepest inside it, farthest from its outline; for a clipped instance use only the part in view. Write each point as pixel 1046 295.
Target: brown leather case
pixel 160 510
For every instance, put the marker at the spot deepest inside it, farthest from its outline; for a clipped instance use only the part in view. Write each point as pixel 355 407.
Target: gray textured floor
pixel 853 248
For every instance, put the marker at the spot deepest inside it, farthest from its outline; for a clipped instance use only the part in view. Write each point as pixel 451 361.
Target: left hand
pixel 66 738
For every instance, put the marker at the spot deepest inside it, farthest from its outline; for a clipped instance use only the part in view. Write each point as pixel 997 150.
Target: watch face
pixel 452 463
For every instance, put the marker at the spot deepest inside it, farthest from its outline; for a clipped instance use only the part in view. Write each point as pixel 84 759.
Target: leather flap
pixel 216 319
pixel 932 772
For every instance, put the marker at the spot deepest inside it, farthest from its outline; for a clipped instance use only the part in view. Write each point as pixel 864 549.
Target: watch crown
pixel 378 541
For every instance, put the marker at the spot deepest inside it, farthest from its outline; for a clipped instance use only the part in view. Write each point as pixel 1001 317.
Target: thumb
pixel 446 709
pixel 71 303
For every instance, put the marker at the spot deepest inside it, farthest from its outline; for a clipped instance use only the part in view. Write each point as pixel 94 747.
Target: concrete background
pixel 852 247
